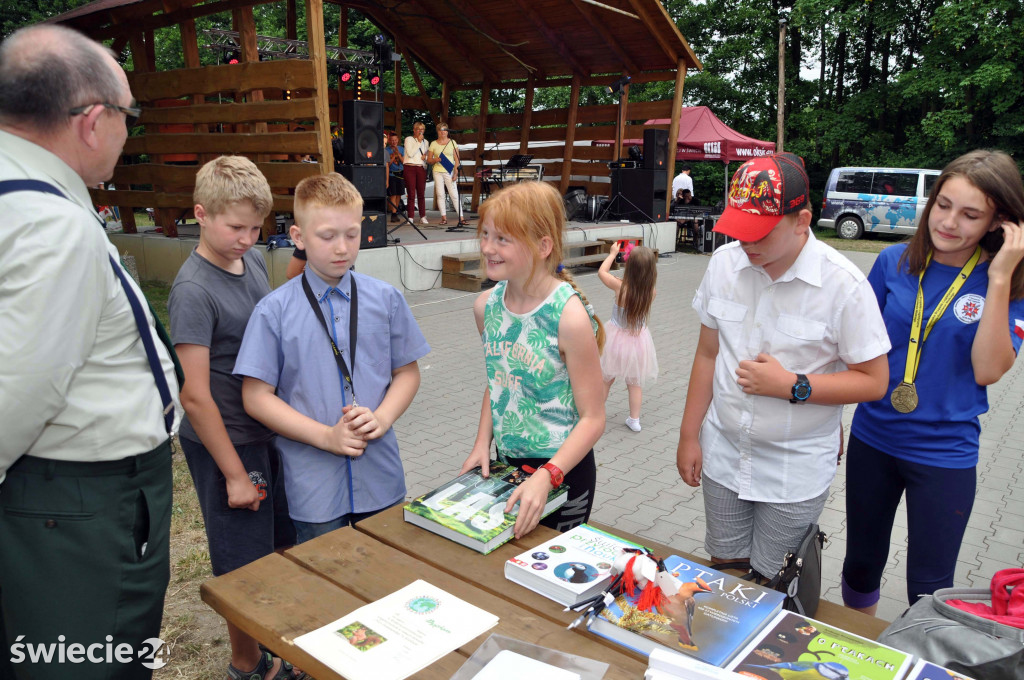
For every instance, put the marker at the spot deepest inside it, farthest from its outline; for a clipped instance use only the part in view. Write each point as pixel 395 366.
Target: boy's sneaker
pixel 633 424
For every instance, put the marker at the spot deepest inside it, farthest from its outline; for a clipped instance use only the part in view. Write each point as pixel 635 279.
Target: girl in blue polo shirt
pixel 953 304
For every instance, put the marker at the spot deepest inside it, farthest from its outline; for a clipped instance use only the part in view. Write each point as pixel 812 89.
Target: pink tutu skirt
pixel 628 356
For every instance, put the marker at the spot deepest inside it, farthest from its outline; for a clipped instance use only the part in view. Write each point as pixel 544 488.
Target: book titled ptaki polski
pixel 794 646
pixel 571 567
pixel 397 635
pixel 704 613
pixel 470 509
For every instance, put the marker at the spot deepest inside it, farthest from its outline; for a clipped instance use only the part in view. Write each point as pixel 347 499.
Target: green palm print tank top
pixel 532 406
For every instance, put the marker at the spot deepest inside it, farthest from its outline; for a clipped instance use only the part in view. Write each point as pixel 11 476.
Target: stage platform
pixel 413 264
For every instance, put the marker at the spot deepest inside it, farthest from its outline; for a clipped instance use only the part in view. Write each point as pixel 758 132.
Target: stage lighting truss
pixel 226 42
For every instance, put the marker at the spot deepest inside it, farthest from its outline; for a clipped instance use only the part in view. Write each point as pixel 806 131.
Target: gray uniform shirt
pixel 211 307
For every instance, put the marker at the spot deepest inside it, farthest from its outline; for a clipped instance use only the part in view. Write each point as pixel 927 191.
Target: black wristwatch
pixel 801 389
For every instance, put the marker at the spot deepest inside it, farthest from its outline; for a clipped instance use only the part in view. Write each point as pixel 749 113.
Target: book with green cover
pixel 470 509
pixel 794 646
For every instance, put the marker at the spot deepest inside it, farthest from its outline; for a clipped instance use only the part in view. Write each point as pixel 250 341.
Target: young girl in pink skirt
pixel 629 350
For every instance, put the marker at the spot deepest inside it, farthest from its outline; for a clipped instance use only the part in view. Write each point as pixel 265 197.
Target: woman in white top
pixel 416 172
pixel 445 172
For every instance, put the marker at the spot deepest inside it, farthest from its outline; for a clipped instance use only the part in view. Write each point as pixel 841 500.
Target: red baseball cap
pixel 762 192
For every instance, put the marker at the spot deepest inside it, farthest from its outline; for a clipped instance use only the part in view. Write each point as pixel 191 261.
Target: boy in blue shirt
pixel 234 463
pixel 333 409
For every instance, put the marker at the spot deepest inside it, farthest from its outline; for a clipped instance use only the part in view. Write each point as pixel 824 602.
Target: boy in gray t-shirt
pixel 233 459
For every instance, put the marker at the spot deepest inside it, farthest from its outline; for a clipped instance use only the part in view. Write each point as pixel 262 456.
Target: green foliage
pixel 882 82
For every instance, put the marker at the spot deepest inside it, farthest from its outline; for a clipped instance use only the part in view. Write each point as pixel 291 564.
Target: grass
pixel 870 243
pixel 195 635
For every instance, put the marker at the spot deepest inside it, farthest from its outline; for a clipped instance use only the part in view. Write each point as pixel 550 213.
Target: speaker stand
pixel 620 197
pixel 405 220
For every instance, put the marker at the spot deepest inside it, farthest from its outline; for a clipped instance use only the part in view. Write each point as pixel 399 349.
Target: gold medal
pixel 904 397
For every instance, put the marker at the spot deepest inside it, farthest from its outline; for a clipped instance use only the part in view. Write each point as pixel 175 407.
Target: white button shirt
pixel 681 181
pixel 817 317
pixel 74 380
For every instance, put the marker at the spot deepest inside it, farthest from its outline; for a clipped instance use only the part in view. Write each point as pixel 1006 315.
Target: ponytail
pixel 563 274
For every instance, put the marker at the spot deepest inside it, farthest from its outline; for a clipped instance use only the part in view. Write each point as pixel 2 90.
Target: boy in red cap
pixel 790 331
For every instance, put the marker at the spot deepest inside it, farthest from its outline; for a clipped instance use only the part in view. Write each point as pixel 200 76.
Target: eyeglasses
pixel 131 113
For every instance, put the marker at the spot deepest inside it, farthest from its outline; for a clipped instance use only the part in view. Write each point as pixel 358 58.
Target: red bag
pixel 1007 599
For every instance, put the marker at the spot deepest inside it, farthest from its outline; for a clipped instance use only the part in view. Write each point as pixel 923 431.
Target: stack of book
pixel 571 568
pixel 470 509
pixel 794 646
pixel 711 617
pixel 664 665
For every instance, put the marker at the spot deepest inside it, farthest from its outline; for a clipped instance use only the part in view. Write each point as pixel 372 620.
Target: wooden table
pixel 281 597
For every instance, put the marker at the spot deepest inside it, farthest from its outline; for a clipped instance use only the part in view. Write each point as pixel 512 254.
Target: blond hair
pixel 228 180
pixel 325 191
pixel 527 212
pixel 637 291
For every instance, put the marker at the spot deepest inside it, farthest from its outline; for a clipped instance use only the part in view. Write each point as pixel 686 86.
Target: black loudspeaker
pixel 646 189
pixel 363 126
pixel 656 149
pixel 375 230
pixel 369 180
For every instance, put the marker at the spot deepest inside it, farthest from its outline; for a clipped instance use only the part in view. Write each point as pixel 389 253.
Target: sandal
pixel 463 224
pixel 444 221
pixel 265 665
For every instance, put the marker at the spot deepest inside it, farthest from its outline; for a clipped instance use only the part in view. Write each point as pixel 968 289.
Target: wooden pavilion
pixel 279 109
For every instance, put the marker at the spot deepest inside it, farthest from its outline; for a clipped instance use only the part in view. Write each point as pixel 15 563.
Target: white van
pixel 879 200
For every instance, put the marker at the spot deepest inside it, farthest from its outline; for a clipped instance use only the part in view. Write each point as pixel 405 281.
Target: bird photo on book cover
pixel 699 611
pixel 793 647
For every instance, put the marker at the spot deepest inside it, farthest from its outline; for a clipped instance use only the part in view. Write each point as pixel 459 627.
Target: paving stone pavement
pixel 638 488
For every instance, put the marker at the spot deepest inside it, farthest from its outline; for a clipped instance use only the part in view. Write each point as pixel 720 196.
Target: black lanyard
pixel 353 318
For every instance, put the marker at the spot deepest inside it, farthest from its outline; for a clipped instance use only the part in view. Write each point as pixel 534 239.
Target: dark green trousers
pixel 84 560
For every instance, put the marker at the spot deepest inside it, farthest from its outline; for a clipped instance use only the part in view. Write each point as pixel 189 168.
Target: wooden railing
pixel 159 166
pixel 549 125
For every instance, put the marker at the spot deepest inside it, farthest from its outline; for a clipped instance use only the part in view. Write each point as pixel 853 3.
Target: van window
pixel 854 182
pixel 929 182
pixel 895 184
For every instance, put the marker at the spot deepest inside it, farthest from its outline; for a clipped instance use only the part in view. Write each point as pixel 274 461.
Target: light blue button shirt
pixel 285 346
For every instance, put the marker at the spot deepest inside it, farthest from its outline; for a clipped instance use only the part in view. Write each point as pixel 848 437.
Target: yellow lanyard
pixel 914 348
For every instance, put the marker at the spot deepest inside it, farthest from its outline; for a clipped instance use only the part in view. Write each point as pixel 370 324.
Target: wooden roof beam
pixel 173 18
pixel 553 40
pixel 456 42
pixel 409 45
pixel 477 21
pixel 655 29
pixel 436 115
pixel 606 35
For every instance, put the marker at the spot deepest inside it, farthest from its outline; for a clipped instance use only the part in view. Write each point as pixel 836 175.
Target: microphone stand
pixel 501 163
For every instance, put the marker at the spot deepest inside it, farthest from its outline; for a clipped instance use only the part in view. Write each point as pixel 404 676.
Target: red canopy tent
pixel 703 137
